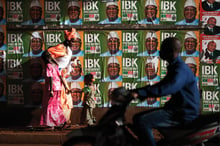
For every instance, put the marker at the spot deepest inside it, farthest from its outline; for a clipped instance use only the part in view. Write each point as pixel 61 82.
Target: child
pixel 89 101
pixel 52 113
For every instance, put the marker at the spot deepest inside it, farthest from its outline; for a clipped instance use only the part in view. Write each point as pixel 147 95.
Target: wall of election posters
pixel 116 57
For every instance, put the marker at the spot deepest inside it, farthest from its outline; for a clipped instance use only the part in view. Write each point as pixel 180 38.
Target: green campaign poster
pixel 129 11
pixel 15 44
pixel 210 100
pixel 15 11
pixel 91 11
pixel 15 92
pixel 53 37
pixel 53 11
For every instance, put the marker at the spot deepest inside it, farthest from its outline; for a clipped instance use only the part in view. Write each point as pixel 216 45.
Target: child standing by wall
pixel 52 113
pixel 89 101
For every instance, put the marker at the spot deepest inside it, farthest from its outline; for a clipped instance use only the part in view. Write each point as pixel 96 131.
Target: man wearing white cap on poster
pixel 36 45
pixel 112 11
pixel 113 45
pixel 111 87
pixel 190 45
pixel 151 70
pixel 75 45
pixel 113 70
pixel 35 14
pixel 151 44
pixel 190 11
pixel 76 93
pixel 150 13
pixel 2 20
pixel 191 62
pixel 73 13
pixel 76 71
pixel 3 46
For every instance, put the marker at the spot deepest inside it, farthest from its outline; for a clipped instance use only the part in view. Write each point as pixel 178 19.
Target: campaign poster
pixel 3 71
pixel 131 41
pixel 112 69
pixel 98 94
pixel 209 6
pixel 15 92
pixel 184 12
pixel 14 67
pixel 53 37
pixel 163 68
pixel 76 93
pixel 164 99
pixel 106 89
pixel 33 12
pixel 111 44
pixel 95 65
pixel 15 43
pixel 3 12
pixel 76 72
pixel 150 70
pixel 209 50
pixel 109 12
pixel 72 12
pixel 129 11
pixel 94 42
pixel 148 12
pixel 91 11
pixel 209 74
pixel 3 97
pixel 33 43
pixel 150 43
pixel 33 94
pixel 15 11
pixel 53 11
pixel 211 24
pixel 210 100
pixel 131 67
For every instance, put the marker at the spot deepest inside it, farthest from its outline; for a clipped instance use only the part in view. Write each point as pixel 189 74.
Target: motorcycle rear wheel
pixel 80 141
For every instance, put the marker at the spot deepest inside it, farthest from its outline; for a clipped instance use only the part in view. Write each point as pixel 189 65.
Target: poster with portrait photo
pixel 129 11
pixel 53 11
pixel 94 42
pixel 211 24
pixel 148 12
pixel 33 12
pixel 210 100
pixel 15 11
pixel 112 44
pixel 110 12
pixel 15 42
pixel 207 6
pixel 33 43
pixel 131 41
pixel 72 12
pixel 185 12
pixel 3 97
pixel 76 93
pixel 91 11
pixel 209 50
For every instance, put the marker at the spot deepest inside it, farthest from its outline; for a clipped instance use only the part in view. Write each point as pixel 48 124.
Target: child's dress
pixel 52 113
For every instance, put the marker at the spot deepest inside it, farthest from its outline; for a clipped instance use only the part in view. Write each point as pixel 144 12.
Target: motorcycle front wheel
pixel 80 141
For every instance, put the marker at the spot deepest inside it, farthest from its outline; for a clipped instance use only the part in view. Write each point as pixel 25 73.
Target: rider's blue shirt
pixel 181 83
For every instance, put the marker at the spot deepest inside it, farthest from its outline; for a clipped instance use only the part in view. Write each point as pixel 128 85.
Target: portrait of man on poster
pixel 211 27
pixel 210 5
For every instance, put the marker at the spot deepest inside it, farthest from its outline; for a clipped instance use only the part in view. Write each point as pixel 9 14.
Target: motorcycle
pixel 112 129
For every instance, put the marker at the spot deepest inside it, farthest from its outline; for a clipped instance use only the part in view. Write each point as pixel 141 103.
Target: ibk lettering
pixel 53 37
pixel 90 5
pixel 130 37
pixel 168 5
pixel 14 6
pixel 210 95
pixel 209 70
pixel 14 63
pixel 130 62
pixel 92 38
pixel 92 63
pixel 165 35
pixel 15 38
pixel 129 85
pixel 52 6
pixel 15 89
pixel 129 5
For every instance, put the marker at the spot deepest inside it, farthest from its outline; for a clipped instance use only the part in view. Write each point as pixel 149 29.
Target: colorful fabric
pixel 57 51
